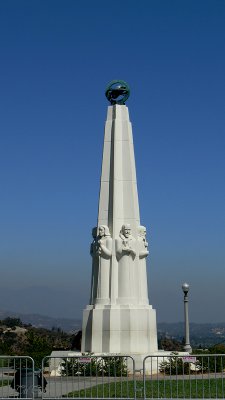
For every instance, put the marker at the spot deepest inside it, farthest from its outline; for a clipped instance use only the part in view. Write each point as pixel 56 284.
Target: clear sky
pixel 56 58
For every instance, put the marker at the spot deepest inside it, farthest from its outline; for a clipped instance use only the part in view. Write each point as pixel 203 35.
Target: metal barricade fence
pixel 176 376
pixel 17 377
pixel 184 376
pixel 99 377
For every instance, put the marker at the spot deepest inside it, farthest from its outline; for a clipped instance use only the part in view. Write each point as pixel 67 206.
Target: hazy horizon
pixel 43 303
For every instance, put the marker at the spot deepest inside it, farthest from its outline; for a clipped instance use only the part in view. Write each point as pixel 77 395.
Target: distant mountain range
pixel 43 321
pixel 206 334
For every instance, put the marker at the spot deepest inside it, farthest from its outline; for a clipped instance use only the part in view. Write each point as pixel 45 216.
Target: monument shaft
pixel 118 201
pixel 119 318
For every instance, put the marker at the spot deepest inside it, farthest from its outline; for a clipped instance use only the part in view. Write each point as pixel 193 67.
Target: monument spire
pixel 119 318
pixel 118 200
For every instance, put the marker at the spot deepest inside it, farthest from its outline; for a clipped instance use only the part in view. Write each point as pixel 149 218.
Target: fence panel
pixel 106 377
pixel 17 377
pixel 176 376
pixel 99 377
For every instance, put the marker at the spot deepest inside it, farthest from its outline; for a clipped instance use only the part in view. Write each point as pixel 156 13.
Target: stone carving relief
pixel 143 244
pixel 95 264
pixel 131 255
pixel 125 245
pixel 104 242
pixel 126 253
pixel 101 251
pixel 142 273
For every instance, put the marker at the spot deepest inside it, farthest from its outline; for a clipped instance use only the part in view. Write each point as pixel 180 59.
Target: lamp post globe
pixel 185 288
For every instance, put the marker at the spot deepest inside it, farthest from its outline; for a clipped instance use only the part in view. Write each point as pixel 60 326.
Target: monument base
pixel 148 364
pixel 119 329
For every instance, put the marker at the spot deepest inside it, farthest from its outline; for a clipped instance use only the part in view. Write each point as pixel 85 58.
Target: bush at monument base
pixel 97 366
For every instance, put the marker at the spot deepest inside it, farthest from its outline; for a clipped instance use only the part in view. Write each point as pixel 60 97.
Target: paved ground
pixel 59 386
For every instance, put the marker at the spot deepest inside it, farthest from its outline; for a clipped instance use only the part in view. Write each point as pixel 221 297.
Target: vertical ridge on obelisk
pixel 119 318
pixel 118 199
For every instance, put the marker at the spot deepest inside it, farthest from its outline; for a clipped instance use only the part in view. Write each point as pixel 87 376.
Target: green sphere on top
pixel 117 92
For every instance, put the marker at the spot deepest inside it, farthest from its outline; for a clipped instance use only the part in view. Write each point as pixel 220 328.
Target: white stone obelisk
pixel 119 318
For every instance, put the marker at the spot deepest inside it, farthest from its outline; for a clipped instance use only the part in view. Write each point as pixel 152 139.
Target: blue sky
pixel 56 58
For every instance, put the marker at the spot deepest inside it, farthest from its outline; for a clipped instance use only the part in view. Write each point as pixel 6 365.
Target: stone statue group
pixel 129 255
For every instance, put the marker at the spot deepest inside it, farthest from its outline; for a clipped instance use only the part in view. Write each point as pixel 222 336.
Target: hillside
pixel 17 338
pixel 43 321
pixel 202 335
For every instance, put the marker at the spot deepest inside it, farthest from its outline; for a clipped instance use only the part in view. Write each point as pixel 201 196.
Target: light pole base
pixel 188 348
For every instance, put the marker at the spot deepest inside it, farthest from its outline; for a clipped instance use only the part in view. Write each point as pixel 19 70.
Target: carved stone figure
pixel 95 265
pixel 126 253
pixel 142 273
pixel 104 252
pixel 125 246
pixel 143 249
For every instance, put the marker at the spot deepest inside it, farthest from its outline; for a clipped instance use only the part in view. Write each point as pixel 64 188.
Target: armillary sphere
pixel 117 92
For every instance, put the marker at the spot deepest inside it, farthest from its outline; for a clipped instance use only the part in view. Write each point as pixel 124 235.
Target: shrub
pixel 96 366
pixel 174 366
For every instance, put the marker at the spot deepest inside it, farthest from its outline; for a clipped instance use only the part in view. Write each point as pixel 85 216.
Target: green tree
pixel 37 347
pixel 12 322
pixel 213 359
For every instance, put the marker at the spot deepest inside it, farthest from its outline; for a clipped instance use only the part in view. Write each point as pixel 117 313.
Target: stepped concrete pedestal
pixel 119 329
pixel 119 319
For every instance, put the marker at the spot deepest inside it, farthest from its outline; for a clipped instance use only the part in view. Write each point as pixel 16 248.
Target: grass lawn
pixel 201 388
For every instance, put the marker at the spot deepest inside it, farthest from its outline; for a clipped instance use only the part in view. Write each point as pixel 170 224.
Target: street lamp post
pixel 187 346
